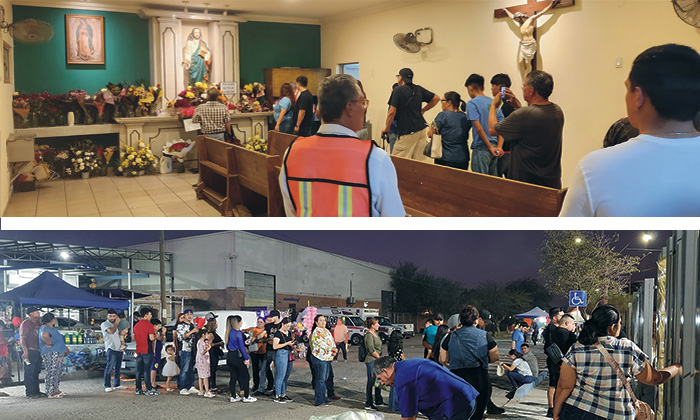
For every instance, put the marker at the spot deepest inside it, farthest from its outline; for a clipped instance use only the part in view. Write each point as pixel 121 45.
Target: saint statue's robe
pixel 197 52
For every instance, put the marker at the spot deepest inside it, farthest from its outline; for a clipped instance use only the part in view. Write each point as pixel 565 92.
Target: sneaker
pixel 200 393
pixel 257 394
pixel 249 399
pixel 269 392
pixel 495 410
pixel 334 397
pixel 152 392
pixel 193 390
pixel 280 400
pixel 550 413
pixel 286 398
pixel 139 392
pixel 119 387
pixel 109 389
pixel 370 407
pixel 510 394
pixel 235 399
pixel 184 392
pixel 209 395
pixel 381 404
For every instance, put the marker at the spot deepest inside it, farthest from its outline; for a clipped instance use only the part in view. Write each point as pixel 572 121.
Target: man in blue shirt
pixel 426 387
pixel 518 337
pixel 486 146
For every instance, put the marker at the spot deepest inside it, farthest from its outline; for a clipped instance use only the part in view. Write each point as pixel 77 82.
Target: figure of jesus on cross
pixel 526 17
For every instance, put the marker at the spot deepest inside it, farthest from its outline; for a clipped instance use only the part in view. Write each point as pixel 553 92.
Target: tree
pixel 573 260
pixel 502 301
pixel 417 291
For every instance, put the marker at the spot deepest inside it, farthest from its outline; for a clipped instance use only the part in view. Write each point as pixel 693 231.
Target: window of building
pixel 353 69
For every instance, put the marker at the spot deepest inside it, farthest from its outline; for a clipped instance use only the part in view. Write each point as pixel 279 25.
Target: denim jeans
pixel 217 136
pixel 393 399
pixel 31 373
pixel 341 347
pixel 283 368
pixel 267 361
pixel 143 370
pixel 483 162
pixel 569 412
pixel 517 379
pixel 114 363
pixel 287 126
pixel 321 370
pixel 370 384
pixel 186 373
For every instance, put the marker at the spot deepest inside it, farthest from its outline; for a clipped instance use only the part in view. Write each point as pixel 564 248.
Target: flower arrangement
pixel 178 148
pixel 253 98
pixel 83 158
pixel 137 159
pixel 21 107
pixel 257 143
pixel 192 96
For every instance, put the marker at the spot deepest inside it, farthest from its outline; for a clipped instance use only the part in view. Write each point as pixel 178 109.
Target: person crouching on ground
pixel 519 372
pixel 426 387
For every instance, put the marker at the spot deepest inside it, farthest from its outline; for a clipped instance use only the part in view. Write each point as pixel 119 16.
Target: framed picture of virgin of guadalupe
pixel 85 39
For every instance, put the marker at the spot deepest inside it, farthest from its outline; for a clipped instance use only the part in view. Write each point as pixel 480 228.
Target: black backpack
pixel 362 352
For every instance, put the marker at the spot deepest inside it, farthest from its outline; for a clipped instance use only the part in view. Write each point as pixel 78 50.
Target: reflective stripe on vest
pixel 328 176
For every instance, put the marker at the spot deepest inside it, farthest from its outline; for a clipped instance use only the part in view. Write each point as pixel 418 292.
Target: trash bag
pixel 352 415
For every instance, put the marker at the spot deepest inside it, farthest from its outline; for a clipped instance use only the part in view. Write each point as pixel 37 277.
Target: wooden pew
pixel 230 174
pixel 432 190
pixel 278 143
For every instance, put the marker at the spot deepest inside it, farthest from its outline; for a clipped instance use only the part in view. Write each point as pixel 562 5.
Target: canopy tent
pixel 535 312
pixel 49 290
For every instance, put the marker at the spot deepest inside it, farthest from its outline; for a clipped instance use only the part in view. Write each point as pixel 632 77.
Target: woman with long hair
pixel 439 335
pixel 322 347
pixel 453 125
pixel 283 342
pixel 53 348
pixel 215 352
pixel 589 387
pixel 237 360
pixel 257 338
pixel 373 344
pixel 284 121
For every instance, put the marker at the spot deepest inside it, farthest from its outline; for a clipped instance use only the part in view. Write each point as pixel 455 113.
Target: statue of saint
pixel 197 57
pixel 528 45
pixel 83 36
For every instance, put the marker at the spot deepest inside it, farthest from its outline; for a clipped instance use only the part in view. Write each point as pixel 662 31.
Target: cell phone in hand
pixel 503 92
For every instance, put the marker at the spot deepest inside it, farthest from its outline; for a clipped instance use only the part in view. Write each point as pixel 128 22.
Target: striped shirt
pixel 598 389
pixel 213 116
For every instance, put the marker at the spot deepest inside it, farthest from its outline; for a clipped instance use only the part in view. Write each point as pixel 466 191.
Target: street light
pixel 65 255
pixel 578 240
pixel 647 237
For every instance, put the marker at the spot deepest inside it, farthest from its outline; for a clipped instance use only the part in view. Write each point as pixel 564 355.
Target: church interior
pixel 588 46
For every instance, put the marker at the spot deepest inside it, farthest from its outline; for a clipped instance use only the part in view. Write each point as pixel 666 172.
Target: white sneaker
pixel 119 387
pixel 249 399
pixel 235 399
pixel 209 395
pixel 193 390
pixel 109 389
pixel 184 392
pixel 200 393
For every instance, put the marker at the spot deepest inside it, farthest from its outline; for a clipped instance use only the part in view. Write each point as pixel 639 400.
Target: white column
pixel 216 53
pixel 228 36
pixel 171 70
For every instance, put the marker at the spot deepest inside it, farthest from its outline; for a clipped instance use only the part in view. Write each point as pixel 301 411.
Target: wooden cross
pixel 532 7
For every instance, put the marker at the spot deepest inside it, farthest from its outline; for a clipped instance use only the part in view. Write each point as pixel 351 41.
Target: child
pixel 157 350
pixel 203 369
pixel 171 368
pixel 123 327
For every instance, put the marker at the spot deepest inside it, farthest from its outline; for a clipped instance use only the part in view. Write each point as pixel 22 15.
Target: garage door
pixel 259 290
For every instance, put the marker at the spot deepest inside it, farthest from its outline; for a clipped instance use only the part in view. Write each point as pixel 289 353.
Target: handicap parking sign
pixel 578 298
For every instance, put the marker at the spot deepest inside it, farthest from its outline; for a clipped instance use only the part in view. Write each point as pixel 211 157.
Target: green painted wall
pixel 264 44
pixel 42 67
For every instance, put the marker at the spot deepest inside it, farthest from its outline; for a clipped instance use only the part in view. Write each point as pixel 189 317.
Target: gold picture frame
pixel 85 39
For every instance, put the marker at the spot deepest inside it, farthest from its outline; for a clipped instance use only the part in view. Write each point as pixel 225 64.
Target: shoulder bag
pixel 433 149
pixel 641 409
pixel 554 353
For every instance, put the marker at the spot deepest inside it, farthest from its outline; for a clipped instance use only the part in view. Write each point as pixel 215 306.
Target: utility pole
pixel 162 276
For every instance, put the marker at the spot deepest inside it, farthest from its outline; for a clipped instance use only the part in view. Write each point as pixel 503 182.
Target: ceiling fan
pixel 413 41
pixel 27 31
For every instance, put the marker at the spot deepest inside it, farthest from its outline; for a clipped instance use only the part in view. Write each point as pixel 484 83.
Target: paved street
pixel 86 398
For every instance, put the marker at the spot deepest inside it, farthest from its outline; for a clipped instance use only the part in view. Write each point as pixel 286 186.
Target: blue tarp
pixel 49 290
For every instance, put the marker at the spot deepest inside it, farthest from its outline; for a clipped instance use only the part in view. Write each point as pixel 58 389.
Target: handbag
pixel 554 353
pixel 433 149
pixel 253 347
pixel 642 410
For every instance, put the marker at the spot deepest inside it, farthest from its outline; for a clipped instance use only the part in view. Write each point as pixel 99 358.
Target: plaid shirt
pixel 598 390
pixel 213 116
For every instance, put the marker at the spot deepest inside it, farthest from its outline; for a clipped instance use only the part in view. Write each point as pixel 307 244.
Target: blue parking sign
pixel 578 298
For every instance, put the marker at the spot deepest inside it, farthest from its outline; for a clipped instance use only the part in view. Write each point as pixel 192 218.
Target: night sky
pixel 468 257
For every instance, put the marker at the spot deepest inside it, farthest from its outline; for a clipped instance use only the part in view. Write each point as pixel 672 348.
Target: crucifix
pixel 525 15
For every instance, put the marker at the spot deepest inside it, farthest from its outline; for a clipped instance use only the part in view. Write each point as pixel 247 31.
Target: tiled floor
pixel 145 196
